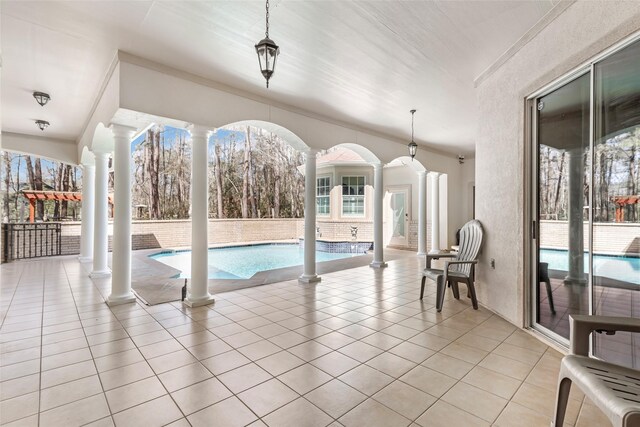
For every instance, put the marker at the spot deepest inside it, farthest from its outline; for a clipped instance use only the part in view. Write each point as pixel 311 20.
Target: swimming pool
pixel 622 268
pixel 242 262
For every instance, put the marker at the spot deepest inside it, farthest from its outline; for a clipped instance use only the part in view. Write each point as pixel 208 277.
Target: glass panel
pixel 353 195
pixel 616 228
pixel 397 203
pixel 563 152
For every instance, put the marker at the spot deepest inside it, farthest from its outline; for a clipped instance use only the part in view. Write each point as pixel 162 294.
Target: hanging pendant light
pixel 267 52
pixel 42 124
pixel 41 98
pixel 413 147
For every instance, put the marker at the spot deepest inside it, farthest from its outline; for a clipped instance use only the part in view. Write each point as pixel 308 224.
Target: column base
pixel 84 259
pixel 378 264
pixel 100 274
pixel 126 299
pixel 209 299
pixel 309 278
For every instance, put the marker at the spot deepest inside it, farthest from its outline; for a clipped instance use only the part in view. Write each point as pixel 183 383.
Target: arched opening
pixel 411 204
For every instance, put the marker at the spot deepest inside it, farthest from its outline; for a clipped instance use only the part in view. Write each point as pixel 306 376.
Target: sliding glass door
pixel 563 174
pixel 616 204
pixel 586 229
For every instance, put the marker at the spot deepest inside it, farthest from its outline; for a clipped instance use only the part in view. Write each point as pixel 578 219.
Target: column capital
pixel 199 131
pixel 435 174
pixel 423 174
pixel 123 131
pixel 86 166
pixel 311 152
pixel 101 155
pixel 377 165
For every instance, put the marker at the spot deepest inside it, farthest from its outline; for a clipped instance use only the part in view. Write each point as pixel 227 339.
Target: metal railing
pixel 31 240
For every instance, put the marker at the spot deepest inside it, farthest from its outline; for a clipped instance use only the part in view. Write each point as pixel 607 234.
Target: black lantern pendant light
pixel 413 147
pixel 267 52
pixel 42 124
pixel 41 98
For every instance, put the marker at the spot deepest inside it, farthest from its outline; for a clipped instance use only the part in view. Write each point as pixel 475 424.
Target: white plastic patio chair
pixel 613 388
pixel 461 269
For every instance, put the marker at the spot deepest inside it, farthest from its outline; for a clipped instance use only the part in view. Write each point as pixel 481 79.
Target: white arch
pixel 362 151
pixel 102 139
pixel 288 136
pixel 87 157
pixel 414 164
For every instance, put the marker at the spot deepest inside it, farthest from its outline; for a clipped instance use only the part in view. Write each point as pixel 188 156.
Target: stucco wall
pixel 583 30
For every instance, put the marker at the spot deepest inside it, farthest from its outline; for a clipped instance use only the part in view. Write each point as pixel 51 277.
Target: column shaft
pixel 101 225
pixel 309 275
pixel 88 202
pixel 198 289
pixel 121 255
pixel 435 212
pixel 378 196
pixel 422 213
pixel 576 224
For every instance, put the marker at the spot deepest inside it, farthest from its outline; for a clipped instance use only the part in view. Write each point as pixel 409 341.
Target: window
pixel 323 190
pixel 353 195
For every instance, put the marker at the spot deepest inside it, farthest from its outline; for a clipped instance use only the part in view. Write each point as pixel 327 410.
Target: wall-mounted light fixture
pixel 42 98
pixel 461 159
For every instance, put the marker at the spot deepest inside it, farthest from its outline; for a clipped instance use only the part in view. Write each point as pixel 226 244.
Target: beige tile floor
pixel 358 349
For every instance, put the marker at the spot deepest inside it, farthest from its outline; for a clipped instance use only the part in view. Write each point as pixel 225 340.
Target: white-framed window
pixel 353 195
pixel 323 195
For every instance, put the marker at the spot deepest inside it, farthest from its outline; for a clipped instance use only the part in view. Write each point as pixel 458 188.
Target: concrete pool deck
pixel 154 282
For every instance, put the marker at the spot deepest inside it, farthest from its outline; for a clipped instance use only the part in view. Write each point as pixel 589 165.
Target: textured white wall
pixel 585 29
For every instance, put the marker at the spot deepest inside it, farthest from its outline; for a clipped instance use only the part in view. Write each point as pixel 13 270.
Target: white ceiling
pixel 366 63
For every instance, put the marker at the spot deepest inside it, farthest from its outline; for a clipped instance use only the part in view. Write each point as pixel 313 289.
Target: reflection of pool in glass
pixel 242 262
pixel 622 268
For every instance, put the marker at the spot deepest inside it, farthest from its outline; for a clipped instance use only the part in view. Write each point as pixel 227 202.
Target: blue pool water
pixel 242 262
pixel 622 268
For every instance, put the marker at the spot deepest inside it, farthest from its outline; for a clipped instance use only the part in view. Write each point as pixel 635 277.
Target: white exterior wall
pixel 583 30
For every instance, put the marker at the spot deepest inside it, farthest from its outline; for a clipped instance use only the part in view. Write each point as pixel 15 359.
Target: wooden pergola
pixel 33 196
pixel 621 202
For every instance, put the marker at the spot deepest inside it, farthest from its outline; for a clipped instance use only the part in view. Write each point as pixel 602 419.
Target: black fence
pixel 30 240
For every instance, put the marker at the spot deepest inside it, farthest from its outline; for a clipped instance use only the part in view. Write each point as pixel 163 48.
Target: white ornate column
pixel 101 217
pixel 309 275
pixel 121 254
pixel 88 202
pixel 378 196
pixel 422 212
pixel 198 289
pixel 435 211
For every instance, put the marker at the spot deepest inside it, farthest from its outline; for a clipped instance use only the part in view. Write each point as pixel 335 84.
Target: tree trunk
pixel 152 163
pixel 218 179
pixel 65 187
pixel 39 186
pixel 7 185
pixel 558 184
pixel 57 185
pixel 245 174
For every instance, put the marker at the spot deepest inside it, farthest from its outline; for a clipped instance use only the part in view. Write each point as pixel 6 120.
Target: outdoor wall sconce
pixel 413 147
pixel 267 52
pixel 42 124
pixel 42 98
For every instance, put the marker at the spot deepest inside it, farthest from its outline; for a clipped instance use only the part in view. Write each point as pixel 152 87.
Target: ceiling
pixel 365 63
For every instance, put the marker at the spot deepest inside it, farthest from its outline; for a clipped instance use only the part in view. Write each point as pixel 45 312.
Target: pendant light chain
pixel 412 114
pixel 267 32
